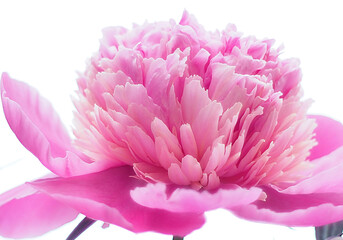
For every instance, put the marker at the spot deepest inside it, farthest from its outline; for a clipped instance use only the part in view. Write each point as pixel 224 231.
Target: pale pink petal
pixel 156 79
pixel 217 157
pixel 38 127
pixel 159 129
pixel 257 50
pixel 110 34
pixel 183 37
pixel 105 196
pixel 223 79
pixel 141 115
pixel 205 125
pixel 245 64
pixel 177 176
pixel 178 71
pixel 289 80
pixel 150 173
pixel 191 168
pixel 213 181
pixel 189 20
pixel 165 157
pixel 135 93
pixel 141 144
pixel 126 60
pixel 194 98
pixel 329 135
pixel 158 196
pixel 198 63
pixel 25 212
pixel 188 142
pixel 294 210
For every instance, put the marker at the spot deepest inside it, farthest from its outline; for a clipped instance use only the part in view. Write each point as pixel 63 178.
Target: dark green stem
pixel 177 238
pixel 80 228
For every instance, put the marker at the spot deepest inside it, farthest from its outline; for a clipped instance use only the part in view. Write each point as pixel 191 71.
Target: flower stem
pixel 177 238
pixel 80 228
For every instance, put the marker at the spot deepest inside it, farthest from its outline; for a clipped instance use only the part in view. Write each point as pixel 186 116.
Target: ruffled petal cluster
pixel 193 108
pixel 172 121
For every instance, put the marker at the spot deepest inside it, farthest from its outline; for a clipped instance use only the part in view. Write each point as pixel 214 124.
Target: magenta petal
pixel 106 196
pixel 38 127
pixel 192 201
pixel 294 210
pixel 24 212
pixel 329 135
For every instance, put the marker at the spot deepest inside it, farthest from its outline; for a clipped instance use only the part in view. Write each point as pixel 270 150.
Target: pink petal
pixel 126 60
pixel 191 168
pixel 194 98
pixel 177 176
pixel 156 79
pixel 223 79
pixel 189 144
pixel 329 135
pixel 150 173
pixel 141 144
pixel 208 116
pixel 192 201
pixel 106 196
pixel 294 210
pixel 38 127
pixel 37 109
pixel 257 50
pixel 326 176
pixel 159 129
pixel 165 157
pixel 198 63
pixel 25 212
pixel 135 94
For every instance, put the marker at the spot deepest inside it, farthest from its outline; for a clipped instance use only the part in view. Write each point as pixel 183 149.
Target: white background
pixel 44 43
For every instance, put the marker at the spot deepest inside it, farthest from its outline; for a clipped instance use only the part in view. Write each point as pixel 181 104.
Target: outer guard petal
pixel 106 196
pixel 25 212
pixel 294 210
pixel 329 135
pixel 38 127
pixel 325 176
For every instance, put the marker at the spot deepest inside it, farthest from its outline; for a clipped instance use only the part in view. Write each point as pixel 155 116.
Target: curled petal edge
pixel 189 200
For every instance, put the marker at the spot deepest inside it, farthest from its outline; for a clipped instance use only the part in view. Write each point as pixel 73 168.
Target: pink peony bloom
pixel 172 121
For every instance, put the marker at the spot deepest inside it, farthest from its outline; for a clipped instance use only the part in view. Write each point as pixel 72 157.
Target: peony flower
pixel 172 121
